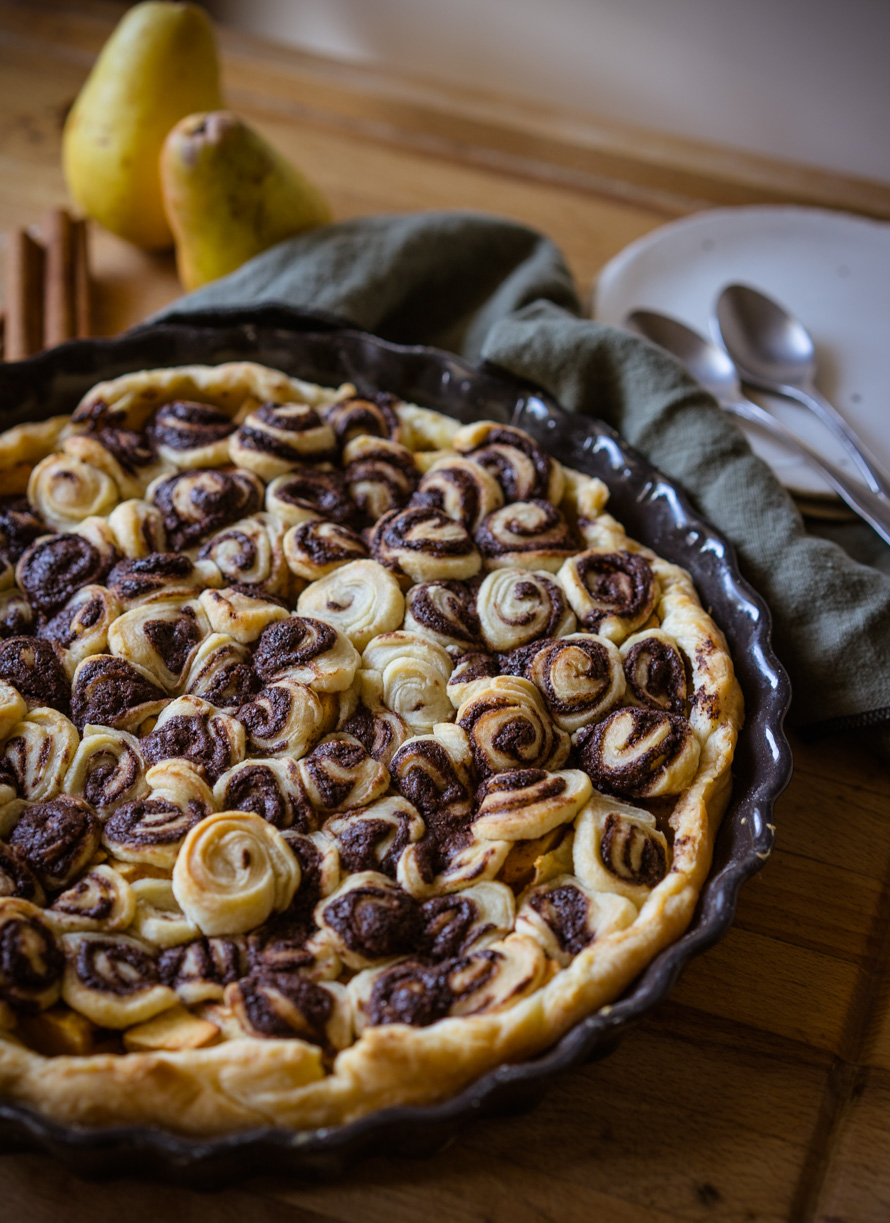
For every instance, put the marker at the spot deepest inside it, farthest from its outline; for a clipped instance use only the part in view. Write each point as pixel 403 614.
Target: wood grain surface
pixel 761 1090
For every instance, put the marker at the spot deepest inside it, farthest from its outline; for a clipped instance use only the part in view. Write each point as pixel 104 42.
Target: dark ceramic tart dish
pixel 652 510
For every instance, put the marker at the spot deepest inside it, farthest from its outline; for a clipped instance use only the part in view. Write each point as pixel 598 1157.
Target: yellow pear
pixel 159 64
pixel 230 195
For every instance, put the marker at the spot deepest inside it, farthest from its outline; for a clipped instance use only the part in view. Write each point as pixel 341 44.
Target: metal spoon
pixel 711 367
pixel 772 350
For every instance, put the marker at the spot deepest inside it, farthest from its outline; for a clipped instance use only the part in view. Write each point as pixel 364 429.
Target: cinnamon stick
pixel 59 318
pixel 24 295
pixel 82 289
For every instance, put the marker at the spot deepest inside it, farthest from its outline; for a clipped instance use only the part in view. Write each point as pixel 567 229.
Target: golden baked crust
pixel 346 753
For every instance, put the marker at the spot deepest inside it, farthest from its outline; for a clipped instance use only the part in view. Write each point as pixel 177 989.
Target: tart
pixel 346 752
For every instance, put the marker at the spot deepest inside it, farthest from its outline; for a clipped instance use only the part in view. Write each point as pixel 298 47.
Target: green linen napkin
pixel 493 290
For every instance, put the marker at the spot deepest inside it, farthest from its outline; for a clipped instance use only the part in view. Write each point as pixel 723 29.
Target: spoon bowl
pixel 764 339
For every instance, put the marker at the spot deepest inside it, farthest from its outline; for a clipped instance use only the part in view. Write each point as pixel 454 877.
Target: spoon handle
pixel 876 479
pixel 868 505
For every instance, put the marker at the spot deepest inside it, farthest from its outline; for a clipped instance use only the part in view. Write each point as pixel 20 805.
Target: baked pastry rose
pixel 346 752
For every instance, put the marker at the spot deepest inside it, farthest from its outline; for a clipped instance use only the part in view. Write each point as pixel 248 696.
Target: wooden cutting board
pixel 761 1090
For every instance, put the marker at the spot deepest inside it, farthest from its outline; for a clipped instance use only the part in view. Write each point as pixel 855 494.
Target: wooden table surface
pixel 761 1090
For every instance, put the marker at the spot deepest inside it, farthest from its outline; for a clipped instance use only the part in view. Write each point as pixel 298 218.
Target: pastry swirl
pixel 279 436
pixel 612 593
pixel 193 730
pixel 433 773
pixel 339 774
pixel 580 678
pixel 199 502
pixel 232 872
pixel 471 675
pixel 99 900
pixel 16 614
pixel 369 918
pixel 64 490
pixel 19 527
pixel 524 471
pixel 619 848
pixel 35 669
pixel 445 612
pixel 360 599
pixel 241 612
pixel 307 650
pixel 160 577
pixel 533 534
pixel 460 922
pixel 113 979
pixel 54 568
pixel 640 753
pixel 109 691
pixel 107 769
pixel 409 675
pixel 160 638
pixel 655 671
pixel 460 488
pixel 81 627
pixel 314 549
pixel 158 919
pixel 518 607
pixel 308 493
pixel 123 456
pixel 278 1004
pixel 423 544
pixel 16 877
pixel 187 434
pixel 38 753
pixel 286 718
pixel 200 970
pixel 380 476
pixel 564 917
pixel 250 553
pixel 509 728
pixel 373 837
pixel 57 839
pixel 523 804
pixel 369 415
pixel 150 830
pixel 380 731
pixel 137 528
pixel 272 789
pixel 31 962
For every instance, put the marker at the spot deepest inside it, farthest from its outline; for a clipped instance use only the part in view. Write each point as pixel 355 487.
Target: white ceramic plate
pixel 831 269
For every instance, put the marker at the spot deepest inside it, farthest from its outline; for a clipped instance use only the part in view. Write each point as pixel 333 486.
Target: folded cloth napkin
pixel 498 292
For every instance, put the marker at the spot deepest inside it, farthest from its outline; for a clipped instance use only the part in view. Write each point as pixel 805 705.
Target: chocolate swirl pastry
pixel 17 878
pixel 371 415
pixel 423 544
pixel 380 731
pixel 250 553
pixel 137 528
pixel 187 434
pixel 193 730
pixel 655 671
pixel 286 1004
pixel 107 769
pixel 16 614
pixel 307 650
pixel 339 774
pixel 200 970
pixel 56 567
pixel 619 848
pixel 160 639
pixel 241 612
pixel 564 917
pixel 81 627
pixel 580 678
pixel 433 773
pixel 309 493
pixel 524 471
pixel 39 752
pixel 314 549
pixel 64 490
pixel 200 502
pixel 516 608
pixel 221 673
pixel 279 436
pixel 522 804
pixel 380 476
pixel 34 667
pixel 57 839
pixel 369 918
pixel 374 837
pixel 470 675
pixel 160 577
pixel 445 612
pixel 123 455
pixel 113 979
pixel 31 963
pixel 640 753
pixel 612 593
pixel 19 527
pixel 464 921
pixel 509 728
pixel 110 691
pixel 150 830
pixel 529 533
pixel 287 718
pixel 360 599
pixel 272 789
pixel 461 489
pixel 408 674
pixel 99 900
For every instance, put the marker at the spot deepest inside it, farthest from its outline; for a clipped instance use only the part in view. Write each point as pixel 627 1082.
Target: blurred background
pixel 806 81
